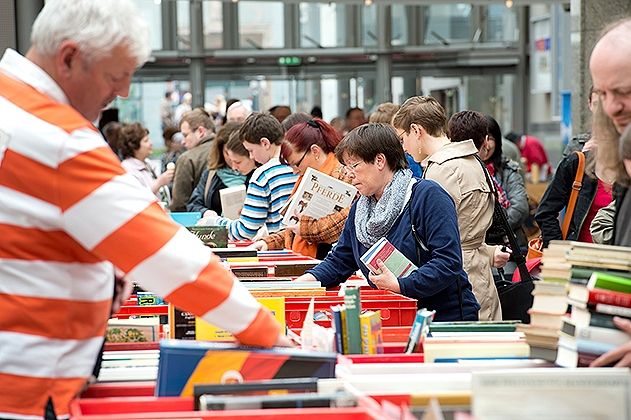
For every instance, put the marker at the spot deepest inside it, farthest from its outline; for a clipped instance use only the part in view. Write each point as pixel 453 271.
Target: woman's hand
pixel 165 177
pixel 621 354
pixel 500 258
pixel 385 280
pixel 260 246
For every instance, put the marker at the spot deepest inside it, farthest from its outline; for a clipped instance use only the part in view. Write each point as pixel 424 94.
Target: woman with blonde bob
pixel 415 215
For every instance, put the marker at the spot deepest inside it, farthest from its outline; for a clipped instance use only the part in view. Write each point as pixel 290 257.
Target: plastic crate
pixel 182 408
pixel 185 218
pixel 120 389
pixel 396 310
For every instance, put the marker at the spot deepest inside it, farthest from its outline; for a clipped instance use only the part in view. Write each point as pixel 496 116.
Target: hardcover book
pixel 318 195
pixel 392 258
pixel 186 363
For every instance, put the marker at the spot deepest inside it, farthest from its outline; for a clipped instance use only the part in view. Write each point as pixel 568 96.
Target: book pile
pixel 479 340
pixel 356 332
pixel 599 287
pixel 589 331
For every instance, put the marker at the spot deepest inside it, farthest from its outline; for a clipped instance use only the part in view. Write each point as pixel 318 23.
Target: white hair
pixel 97 26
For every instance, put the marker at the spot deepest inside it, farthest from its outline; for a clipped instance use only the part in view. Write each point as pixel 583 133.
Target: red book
pixel 610 297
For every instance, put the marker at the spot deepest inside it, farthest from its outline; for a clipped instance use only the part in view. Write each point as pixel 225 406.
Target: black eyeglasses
pixel 297 164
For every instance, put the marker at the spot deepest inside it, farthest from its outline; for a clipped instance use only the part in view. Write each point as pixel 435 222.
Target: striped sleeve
pixel 106 211
pixel 267 193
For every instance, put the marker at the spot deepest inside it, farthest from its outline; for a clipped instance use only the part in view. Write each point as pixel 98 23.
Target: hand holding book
pixel 385 279
pixel 620 355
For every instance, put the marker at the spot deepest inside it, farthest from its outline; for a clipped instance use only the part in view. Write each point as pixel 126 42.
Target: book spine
pixel 353 310
pixel 368 347
pixel 610 282
pixel 609 297
pixel 337 324
pixel 612 310
pixel 343 330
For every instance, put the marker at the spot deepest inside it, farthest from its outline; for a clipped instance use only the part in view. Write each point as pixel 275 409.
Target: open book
pixel 318 195
pixel 232 199
pixel 392 258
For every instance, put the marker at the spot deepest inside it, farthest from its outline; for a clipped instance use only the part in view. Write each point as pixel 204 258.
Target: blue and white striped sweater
pixel 268 190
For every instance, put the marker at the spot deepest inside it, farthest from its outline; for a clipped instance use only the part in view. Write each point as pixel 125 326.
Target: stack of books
pixel 451 342
pixel 599 285
pixel 589 331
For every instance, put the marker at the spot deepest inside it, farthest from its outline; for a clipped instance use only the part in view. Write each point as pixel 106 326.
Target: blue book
pixel 419 329
pixel 184 363
pixel 338 324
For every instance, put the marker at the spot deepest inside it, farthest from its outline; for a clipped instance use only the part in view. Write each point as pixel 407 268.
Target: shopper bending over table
pixel 391 204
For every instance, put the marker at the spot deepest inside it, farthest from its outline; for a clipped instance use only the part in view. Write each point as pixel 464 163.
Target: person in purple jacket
pixel 417 216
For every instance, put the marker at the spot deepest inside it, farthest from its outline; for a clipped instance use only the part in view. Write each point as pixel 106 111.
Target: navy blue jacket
pixel 434 284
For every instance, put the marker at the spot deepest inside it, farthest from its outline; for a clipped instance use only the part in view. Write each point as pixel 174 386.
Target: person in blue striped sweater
pixel 271 184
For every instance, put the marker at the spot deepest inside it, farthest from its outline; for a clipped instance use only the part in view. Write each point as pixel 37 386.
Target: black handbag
pixel 515 298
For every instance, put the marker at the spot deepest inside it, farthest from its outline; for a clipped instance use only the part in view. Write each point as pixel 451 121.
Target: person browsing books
pixel 70 213
pixel 393 204
pixel 421 124
pixel 310 144
pixel 270 185
pixel 217 176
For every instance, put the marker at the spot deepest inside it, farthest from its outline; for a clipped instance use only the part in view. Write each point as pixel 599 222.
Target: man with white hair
pixel 69 213
pixel 238 112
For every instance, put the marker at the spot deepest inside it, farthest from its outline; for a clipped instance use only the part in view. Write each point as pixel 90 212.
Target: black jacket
pixel 557 196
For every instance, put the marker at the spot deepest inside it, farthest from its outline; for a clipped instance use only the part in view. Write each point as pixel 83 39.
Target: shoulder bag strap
pixel 576 188
pixel 498 211
pixel 420 245
pixel 209 180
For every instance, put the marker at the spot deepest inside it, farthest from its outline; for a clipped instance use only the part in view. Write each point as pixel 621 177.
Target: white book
pixel 318 195
pixel 232 199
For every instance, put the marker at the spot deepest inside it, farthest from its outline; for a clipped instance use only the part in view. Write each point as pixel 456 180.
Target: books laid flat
pixel 185 363
pixel 232 199
pixel 211 236
pixel 392 258
pixel 318 195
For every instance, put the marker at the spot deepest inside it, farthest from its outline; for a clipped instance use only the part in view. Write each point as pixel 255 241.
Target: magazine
pixel 392 258
pixel 318 195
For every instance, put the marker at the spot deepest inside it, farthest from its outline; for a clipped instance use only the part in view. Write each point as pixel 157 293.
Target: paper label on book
pixel 318 195
pixel 212 236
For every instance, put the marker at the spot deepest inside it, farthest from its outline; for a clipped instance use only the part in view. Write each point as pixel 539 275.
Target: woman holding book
pixel 416 216
pixel 310 144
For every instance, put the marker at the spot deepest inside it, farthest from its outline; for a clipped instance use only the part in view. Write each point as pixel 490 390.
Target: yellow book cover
pixel 209 332
pixel 371 332
pixel 242 259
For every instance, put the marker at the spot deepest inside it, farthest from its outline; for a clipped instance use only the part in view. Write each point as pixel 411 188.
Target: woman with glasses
pixel 310 144
pixel 417 216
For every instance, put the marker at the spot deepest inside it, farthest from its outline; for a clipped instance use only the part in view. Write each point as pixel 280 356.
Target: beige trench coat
pixel 456 169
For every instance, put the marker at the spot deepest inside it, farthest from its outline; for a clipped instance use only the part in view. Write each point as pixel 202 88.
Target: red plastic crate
pixel 396 310
pixel 120 389
pixel 182 408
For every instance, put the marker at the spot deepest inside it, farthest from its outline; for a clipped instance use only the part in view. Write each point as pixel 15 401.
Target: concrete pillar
pixel 25 13
pixel 383 82
pixel 7 23
pixel 588 19
pixel 197 54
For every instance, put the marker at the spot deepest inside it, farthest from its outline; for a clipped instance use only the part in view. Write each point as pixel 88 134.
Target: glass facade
pixel 261 24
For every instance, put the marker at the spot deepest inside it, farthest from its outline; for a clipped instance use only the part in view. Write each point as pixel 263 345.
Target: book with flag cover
pixel 185 363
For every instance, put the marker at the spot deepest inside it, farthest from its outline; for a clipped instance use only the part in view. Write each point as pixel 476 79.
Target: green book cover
pixel 353 330
pixel 212 236
pixel 606 281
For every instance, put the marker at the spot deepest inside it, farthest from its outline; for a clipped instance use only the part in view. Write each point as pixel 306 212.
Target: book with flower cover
pixel 392 258
pixel 318 195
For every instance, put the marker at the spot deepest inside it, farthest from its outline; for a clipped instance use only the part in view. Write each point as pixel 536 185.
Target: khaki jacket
pixel 457 170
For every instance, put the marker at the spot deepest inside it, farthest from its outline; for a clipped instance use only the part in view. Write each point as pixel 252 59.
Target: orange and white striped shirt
pixel 68 211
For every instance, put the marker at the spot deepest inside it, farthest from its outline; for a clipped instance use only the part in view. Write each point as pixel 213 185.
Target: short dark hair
pixel 259 125
pixel 351 110
pixel 368 140
pixel 468 125
pixel 198 117
pixel 130 137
